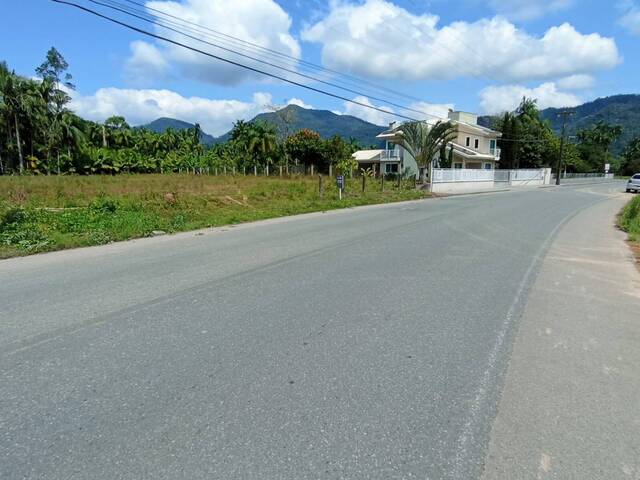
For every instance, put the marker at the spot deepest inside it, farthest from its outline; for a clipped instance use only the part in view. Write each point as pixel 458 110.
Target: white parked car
pixel 634 183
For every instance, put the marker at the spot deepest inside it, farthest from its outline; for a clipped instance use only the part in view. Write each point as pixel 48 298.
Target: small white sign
pixel 607 167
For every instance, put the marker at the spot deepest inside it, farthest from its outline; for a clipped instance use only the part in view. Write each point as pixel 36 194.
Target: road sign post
pixel 340 184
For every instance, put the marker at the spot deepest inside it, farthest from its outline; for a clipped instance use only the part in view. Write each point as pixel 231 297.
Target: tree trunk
pixel 1 165
pixel 104 136
pixel 21 159
pixel 423 171
pixel 58 166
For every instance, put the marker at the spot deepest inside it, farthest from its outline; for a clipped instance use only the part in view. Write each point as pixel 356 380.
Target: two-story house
pixel 475 147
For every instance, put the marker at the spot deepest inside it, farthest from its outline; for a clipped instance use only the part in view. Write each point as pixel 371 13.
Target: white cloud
pixel 299 103
pixel 429 111
pixel 630 18
pixel 368 114
pixel 261 22
pixel 576 82
pixel 380 39
pixel 432 109
pixel 506 98
pixel 145 63
pixel 142 106
pixel 528 9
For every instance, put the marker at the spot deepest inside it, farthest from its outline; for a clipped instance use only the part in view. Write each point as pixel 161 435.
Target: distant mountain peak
pixel 160 125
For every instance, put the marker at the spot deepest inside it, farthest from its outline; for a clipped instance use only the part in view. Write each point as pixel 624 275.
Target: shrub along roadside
pixel 39 214
pixel 629 219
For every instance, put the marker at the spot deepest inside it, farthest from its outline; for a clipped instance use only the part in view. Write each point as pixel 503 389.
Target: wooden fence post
pixel 364 183
pixel 320 185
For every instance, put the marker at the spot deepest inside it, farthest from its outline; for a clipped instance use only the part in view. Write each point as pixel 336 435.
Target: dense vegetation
pixel 40 135
pixel 530 141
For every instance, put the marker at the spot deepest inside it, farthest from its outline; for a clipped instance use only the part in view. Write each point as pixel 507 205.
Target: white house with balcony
pixel 475 147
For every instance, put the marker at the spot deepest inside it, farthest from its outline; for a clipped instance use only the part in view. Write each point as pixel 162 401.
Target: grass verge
pixel 39 214
pixel 629 221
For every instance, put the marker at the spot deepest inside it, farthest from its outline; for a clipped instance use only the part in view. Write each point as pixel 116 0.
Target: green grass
pixel 629 219
pixel 39 214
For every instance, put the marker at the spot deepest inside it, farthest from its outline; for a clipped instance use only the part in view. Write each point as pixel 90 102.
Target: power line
pixel 232 62
pixel 235 52
pixel 276 52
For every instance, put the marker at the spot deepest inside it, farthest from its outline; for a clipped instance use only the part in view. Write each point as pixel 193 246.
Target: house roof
pixel 396 132
pixel 367 155
pixel 472 154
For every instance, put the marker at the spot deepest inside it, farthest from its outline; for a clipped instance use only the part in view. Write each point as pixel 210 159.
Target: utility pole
pixel 566 113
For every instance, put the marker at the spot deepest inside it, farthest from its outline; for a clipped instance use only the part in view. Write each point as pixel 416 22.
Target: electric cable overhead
pixel 296 60
pixel 109 4
pixel 232 62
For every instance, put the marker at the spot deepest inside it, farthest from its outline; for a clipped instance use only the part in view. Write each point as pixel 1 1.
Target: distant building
pixel 475 147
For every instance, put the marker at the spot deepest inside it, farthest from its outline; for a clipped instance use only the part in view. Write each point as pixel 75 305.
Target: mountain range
pixel 623 110
pixel 290 120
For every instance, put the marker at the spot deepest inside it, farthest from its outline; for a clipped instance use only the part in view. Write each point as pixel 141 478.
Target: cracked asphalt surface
pixel 363 344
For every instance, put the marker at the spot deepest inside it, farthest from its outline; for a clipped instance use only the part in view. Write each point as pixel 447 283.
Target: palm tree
pixel 13 98
pixel 71 133
pixel 262 142
pixel 423 142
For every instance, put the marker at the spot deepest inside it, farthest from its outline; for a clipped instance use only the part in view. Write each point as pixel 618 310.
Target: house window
pixel 488 166
pixel 468 141
pixel 391 168
pixel 492 146
pixel 457 165
pixel 477 143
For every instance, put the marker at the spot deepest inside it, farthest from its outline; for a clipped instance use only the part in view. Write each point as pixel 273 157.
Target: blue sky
pixel 475 55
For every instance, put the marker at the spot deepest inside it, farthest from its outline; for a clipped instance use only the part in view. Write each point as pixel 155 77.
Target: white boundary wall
pixel 451 180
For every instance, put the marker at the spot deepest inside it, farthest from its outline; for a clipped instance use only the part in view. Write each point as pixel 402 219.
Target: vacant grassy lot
pixel 40 214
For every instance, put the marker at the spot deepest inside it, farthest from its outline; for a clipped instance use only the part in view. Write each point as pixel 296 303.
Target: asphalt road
pixel 361 344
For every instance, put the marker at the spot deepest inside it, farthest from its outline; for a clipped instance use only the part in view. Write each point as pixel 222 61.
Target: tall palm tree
pixel 14 100
pixel 423 141
pixel 72 135
pixel 262 142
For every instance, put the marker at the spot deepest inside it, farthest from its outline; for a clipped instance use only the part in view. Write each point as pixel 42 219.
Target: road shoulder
pixel 570 406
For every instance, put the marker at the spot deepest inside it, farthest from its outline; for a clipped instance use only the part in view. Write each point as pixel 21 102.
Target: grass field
pixel 39 214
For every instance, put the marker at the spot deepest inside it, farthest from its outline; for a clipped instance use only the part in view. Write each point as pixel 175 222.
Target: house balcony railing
pixel 390 156
pixel 495 152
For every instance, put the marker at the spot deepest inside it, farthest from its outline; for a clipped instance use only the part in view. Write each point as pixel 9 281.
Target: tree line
pixel 39 134
pixel 529 142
